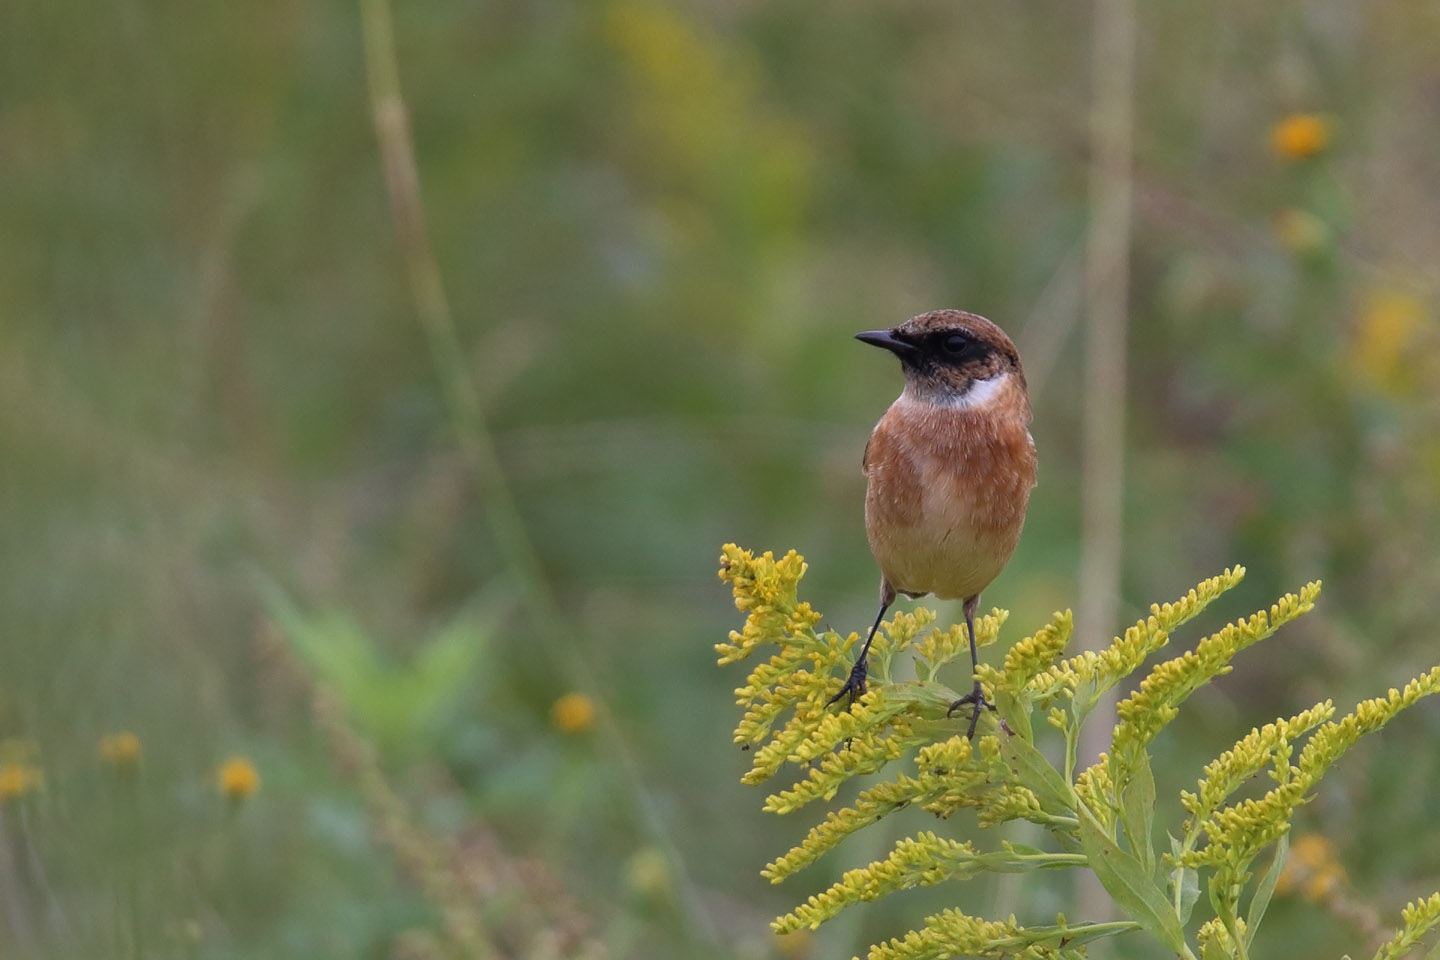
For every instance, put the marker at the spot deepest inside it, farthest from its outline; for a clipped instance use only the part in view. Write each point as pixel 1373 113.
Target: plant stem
pixel 1107 276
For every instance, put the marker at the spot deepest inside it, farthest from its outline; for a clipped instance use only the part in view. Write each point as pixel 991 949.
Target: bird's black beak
pixel 888 340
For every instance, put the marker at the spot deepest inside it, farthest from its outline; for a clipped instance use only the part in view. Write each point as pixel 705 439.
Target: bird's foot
pixel 976 697
pixel 855 685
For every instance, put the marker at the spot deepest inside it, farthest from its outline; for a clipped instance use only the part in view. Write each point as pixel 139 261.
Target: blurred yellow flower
pixel 190 932
pixel 795 945
pixel 238 778
pixel 1300 231
pixel 1384 335
pixel 1300 136
pixel 120 750
pixel 18 779
pixel 573 713
pixel 1312 868
pixel 647 873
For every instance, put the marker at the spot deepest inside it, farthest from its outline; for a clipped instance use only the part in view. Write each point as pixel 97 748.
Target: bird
pixel 948 472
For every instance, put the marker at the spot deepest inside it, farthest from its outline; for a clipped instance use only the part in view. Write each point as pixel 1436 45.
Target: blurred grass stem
pixel 392 129
pixel 1107 280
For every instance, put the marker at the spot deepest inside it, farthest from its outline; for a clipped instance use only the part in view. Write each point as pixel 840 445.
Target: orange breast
pixel 946 493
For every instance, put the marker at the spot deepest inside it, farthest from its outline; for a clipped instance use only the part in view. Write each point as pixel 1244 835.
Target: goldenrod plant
pixel 1101 818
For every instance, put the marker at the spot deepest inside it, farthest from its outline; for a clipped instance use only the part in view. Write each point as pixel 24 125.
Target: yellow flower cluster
pixel 1027 658
pixel 1090 674
pixel 871 804
pixel 980 780
pixel 1215 940
pixel 1004 775
pixel 1237 833
pixel 1095 789
pixel 1258 749
pixel 1419 919
pixel 866 754
pixel 919 861
pixel 955 934
pixel 1001 804
pixel 1146 711
pixel 798 678
pixel 942 646
pixel 870 714
pixel 1337 736
pixel 778 685
pixel 951 774
pixel 765 589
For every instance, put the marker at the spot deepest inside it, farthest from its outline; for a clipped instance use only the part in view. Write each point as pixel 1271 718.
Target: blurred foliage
pixel 657 225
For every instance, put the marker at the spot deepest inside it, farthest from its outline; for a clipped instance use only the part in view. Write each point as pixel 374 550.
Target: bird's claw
pixel 855 685
pixel 977 697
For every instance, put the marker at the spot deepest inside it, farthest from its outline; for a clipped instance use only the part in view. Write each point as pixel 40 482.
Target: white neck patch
pixel 980 394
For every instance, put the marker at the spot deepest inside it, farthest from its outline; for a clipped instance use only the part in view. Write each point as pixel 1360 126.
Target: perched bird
pixel 948 469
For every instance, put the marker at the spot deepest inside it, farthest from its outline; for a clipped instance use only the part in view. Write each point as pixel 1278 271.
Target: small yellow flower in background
pixel 647 873
pixel 573 713
pixel 120 750
pixel 1384 335
pixel 1312 868
pixel 1300 231
pixel 1300 136
pixel 188 932
pixel 238 778
pixel 19 774
pixel 796 945
pixel 18 779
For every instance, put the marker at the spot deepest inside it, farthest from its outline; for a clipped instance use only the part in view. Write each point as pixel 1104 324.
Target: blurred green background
pixel 237 473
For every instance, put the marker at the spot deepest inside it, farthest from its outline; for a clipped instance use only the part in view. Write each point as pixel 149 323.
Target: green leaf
pixel 1184 880
pixel 1015 711
pixel 400 702
pixel 1261 900
pixel 1133 887
pixel 1137 811
pixel 1087 694
pixel 1077 936
pixel 1034 771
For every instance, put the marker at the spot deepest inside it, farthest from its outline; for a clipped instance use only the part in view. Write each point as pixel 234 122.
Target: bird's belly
pixel 944 556
pixel 953 539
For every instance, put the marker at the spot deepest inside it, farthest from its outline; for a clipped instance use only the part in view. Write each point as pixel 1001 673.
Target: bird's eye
pixel 955 344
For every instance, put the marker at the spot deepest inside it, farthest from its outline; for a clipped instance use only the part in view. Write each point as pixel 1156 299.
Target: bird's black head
pixel 947 353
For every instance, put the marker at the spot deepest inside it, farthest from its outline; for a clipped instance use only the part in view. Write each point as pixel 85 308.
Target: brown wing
pixel 893 489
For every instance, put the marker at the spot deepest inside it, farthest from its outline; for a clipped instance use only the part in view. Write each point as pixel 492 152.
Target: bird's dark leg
pixel 855 685
pixel 975 696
